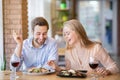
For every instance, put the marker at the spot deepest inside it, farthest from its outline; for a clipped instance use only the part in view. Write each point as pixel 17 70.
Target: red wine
pixel 93 65
pixel 15 64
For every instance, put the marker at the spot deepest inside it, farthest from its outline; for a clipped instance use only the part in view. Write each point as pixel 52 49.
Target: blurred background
pixel 100 19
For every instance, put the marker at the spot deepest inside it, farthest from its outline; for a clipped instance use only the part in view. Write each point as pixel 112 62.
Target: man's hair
pixel 39 21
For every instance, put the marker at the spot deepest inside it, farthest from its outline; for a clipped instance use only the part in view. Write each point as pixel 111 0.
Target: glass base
pixel 94 77
pixel 13 77
pixel 44 79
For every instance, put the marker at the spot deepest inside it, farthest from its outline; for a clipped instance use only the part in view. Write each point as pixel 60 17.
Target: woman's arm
pixel 67 64
pixel 109 65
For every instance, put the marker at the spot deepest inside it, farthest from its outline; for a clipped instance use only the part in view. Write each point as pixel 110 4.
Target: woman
pixel 79 49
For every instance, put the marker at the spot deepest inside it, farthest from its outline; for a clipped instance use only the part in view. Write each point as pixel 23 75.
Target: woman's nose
pixel 66 37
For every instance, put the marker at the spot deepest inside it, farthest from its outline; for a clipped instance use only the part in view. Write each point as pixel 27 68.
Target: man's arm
pixel 18 51
pixel 19 41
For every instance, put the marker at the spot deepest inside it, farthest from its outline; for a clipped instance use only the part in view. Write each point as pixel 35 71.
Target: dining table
pixel 6 75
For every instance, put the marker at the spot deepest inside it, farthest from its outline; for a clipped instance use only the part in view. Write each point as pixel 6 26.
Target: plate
pixel 37 74
pixel 82 76
pixel 82 71
pixel 68 74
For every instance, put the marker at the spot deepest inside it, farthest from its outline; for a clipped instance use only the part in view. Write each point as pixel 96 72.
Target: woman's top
pixel 78 58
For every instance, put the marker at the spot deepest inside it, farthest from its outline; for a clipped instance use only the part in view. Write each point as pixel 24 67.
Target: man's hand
pixel 52 64
pixel 17 38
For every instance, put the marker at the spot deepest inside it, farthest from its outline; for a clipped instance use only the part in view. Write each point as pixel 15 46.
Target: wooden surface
pixel 5 75
pixel 61 51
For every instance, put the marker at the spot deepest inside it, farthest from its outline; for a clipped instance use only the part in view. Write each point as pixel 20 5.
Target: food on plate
pixel 71 73
pixel 38 70
pixel 65 73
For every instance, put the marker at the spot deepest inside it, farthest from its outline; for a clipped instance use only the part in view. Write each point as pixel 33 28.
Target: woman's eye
pixel 67 33
pixel 38 34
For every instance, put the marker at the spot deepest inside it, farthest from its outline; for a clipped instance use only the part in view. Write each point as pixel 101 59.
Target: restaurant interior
pixel 100 18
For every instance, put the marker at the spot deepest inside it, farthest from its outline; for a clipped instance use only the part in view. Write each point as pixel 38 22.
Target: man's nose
pixel 41 36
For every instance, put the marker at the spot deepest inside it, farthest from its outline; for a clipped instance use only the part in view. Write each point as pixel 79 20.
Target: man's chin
pixel 40 43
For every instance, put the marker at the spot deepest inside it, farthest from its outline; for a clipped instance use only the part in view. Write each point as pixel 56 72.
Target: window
pixel 1 34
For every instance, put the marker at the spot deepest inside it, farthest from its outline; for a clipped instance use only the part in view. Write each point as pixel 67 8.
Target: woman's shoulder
pixel 94 43
pixel 95 47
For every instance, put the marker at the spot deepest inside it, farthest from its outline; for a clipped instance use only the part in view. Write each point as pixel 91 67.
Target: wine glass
pixel 93 63
pixel 15 64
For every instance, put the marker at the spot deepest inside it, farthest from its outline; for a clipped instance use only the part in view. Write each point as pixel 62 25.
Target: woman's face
pixel 70 36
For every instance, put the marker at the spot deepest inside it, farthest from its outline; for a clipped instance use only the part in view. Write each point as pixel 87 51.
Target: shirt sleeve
pixel 106 60
pixel 53 55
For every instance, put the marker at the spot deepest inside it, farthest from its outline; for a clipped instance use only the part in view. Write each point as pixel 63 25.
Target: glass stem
pixel 94 77
pixel 93 73
pixel 15 72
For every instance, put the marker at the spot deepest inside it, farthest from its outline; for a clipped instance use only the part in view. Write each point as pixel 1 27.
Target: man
pixel 37 51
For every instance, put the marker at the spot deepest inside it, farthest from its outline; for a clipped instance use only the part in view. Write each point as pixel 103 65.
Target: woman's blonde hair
pixel 76 26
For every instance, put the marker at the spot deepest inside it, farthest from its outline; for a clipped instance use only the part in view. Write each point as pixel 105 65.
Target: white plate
pixel 28 73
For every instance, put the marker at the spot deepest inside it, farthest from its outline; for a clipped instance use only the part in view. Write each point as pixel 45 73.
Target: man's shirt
pixel 37 57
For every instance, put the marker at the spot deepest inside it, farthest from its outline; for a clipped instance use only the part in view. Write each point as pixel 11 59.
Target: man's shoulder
pixel 27 41
pixel 51 40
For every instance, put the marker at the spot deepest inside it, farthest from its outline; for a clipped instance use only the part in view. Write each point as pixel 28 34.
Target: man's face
pixel 40 34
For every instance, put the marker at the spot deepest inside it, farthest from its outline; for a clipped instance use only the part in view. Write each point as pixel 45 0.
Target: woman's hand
pixel 17 38
pixel 102 71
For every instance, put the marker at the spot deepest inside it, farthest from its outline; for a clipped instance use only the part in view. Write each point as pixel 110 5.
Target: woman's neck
pixel 77 44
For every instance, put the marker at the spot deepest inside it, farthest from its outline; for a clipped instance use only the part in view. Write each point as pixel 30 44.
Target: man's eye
pixel 44 33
